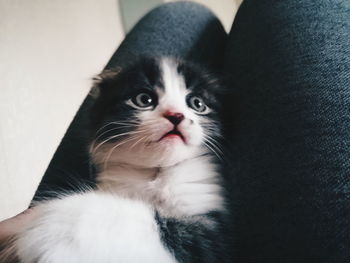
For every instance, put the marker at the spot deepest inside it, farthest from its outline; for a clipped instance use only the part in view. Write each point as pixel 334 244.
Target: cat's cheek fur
pixel 192 132
pixel 113 229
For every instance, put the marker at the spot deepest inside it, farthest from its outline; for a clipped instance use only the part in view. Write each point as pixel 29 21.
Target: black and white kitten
pixel 160 194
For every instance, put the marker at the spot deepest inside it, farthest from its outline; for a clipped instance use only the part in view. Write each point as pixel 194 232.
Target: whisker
pixel 211 149
pixel 132 146
pixel 117 122
pixel 112 150
pixel 116 128
pixel 213 129
pixel 115 136
pixel 214 143
pixel 124 125
pixel 216 148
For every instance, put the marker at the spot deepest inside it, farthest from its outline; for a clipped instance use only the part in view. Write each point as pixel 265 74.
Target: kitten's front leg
pixel 93 227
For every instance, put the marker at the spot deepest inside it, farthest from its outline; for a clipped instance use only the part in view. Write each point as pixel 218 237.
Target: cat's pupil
pixel 197 104
pixel 143 100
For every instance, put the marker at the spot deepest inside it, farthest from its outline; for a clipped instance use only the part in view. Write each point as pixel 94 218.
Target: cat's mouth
pixel 174 133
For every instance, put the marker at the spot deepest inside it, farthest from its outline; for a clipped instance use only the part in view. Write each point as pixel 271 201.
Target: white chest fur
pixel 189 188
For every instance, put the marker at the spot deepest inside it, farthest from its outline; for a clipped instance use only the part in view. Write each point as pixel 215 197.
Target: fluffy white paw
pixel 93 227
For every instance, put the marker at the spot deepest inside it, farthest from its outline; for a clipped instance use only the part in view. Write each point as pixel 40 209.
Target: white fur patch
pixel 173 97
pixel 90 228
pixel 189 188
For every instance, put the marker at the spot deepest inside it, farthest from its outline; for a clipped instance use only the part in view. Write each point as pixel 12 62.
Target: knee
pixel 181 8
pixel 187 12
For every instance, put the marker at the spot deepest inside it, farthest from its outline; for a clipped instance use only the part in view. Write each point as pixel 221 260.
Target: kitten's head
pixel 155 113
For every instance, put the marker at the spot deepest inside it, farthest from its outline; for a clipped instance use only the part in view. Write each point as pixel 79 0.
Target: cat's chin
pixel 167 152
pixel 170 151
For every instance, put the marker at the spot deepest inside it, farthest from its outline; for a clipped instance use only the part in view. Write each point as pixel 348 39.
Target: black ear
pixel 102 80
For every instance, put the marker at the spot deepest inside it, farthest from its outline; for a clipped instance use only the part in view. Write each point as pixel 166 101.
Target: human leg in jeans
pixel 289 69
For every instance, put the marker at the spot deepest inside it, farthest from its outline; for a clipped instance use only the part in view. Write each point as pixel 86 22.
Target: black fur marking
pixel 114 90
pixel 196 240
pixel 201 83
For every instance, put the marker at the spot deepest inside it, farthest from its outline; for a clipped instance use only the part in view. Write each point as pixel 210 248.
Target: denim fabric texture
pixel 184 30
pixel 288 64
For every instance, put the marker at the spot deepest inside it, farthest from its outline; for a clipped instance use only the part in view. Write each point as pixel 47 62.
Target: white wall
pixel 49 50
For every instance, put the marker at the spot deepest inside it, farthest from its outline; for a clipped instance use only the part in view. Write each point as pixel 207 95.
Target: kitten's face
pixel 154 114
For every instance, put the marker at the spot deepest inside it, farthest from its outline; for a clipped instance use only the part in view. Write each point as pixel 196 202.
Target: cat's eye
pixel 198 105
pixel 143 100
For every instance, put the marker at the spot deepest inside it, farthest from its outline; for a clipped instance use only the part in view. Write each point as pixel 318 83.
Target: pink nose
pixel 174 117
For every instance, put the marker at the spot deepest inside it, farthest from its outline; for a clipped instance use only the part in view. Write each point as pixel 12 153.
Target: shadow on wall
pixel 132 10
